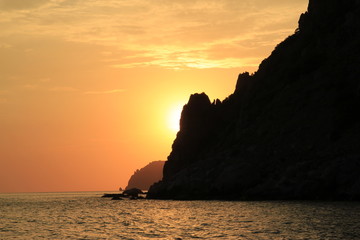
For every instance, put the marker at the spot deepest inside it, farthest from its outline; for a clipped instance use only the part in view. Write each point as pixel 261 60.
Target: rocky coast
pixel 291 130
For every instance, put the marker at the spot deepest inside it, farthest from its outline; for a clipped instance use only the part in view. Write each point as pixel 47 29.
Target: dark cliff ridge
pixel 289 131
pixel 146 176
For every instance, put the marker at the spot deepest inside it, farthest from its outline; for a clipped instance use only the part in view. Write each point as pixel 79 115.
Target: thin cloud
pixel 188 25
pixel 30 86
pixel 63 89
pixel 105 92
pixel 5 45
pixel 20 4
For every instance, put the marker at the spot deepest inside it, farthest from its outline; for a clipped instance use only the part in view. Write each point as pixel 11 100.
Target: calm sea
pixel 85 215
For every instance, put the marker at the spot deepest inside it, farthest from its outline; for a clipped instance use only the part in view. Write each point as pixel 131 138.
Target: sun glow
pixel 119 73
pixel 174 118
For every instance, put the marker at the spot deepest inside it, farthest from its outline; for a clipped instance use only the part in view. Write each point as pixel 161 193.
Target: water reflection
pixel 88 216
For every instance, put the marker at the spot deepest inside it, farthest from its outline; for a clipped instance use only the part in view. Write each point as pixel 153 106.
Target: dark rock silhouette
pixel 133 192
pixel 289 131
pixel 146 176
pixel 113 195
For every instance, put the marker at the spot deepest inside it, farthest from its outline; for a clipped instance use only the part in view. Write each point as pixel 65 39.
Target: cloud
pixel 63 89
pixel 30 86
pixel 20 4
pixel 201 58
pixel 5 45
pixel 159 32
pixel 105 92
pixel 41 87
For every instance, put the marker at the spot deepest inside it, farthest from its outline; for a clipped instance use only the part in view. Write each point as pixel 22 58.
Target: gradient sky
pixel 87 87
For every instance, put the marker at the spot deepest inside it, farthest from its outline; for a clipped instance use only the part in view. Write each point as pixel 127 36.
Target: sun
pixel 173 121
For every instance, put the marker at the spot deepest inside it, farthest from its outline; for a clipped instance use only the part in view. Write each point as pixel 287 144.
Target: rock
pixel 289 131
pixel 146 176
pixel 133 192
pixel 243 81
pixel 113 195
pixel 196 123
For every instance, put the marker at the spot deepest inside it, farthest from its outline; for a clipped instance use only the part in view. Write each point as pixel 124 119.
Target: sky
pixel 91 90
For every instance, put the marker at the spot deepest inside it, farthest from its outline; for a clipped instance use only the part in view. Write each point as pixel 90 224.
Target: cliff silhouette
pixel 146 176
pixel 289 131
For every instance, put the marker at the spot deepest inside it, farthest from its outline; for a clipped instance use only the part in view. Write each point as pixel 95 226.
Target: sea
pixel 85 215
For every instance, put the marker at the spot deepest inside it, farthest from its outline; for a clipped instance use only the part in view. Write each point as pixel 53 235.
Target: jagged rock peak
pixel 198 100
pixel 242 81
pixel 195 111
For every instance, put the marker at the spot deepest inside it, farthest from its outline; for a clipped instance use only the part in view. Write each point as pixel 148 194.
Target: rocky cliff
pixel 146 176
pixel 289 131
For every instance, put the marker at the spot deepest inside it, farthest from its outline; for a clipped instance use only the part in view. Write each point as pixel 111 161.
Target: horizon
pixel 87 98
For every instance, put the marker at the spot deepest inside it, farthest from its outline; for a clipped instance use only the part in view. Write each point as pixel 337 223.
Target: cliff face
pixel 146 176
pixel 289 131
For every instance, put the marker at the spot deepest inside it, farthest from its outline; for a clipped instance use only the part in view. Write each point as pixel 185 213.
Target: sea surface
pixel 85 215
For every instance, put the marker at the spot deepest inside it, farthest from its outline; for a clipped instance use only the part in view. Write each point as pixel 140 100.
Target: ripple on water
pixel 87 216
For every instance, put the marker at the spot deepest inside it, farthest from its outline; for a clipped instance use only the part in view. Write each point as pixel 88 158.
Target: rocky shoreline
pixel 133 194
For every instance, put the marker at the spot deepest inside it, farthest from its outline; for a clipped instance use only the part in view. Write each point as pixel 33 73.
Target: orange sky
pixel 87 87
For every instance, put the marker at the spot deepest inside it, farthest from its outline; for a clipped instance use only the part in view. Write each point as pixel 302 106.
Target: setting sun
pixel 91 90
pixel 174 118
